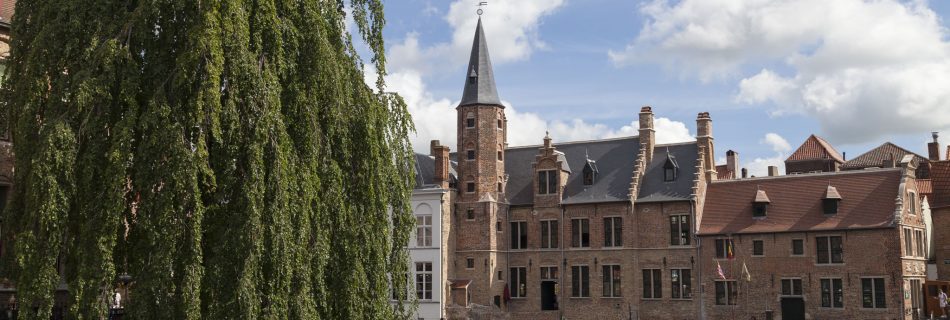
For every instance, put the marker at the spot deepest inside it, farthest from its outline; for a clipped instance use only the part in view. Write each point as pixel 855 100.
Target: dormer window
pixel 829 202
pixel 669 167
pixel 547 182
pixel 590 172
pixel 760 205
pixel 669 174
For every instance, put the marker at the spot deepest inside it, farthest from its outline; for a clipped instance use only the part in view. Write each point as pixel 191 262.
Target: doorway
pixel 548 295
pixel 793 309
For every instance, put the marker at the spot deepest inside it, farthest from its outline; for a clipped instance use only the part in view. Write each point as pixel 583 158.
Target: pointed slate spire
pixel 479 78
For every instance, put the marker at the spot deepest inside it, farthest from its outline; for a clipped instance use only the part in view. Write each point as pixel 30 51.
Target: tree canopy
pixel 226 154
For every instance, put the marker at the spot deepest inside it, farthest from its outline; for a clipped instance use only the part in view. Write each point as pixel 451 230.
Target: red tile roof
pixel 925 187
pixel 796 202
pixel 875 157
pixel 6 10
pixel 940 184
pixel 815 148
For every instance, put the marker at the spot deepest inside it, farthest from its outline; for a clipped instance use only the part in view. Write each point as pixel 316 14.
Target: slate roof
pixel 815 148
pixel 653 188
pixel 479 77
pixel 875 157
pixel 425 170
pixel 940 181
pixel 796 202
pixel 615 164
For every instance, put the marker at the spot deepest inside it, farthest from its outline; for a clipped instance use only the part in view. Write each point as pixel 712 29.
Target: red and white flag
pixel 719 271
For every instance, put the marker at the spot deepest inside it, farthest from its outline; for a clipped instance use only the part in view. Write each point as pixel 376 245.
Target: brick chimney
pixel 647 134
pixel 745 173
pixel 773 171
pixel 441 154
pixel 933 148
pixel 732 162
pixel 704 139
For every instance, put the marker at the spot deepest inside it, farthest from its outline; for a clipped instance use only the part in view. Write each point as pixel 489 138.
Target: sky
pixel 770 73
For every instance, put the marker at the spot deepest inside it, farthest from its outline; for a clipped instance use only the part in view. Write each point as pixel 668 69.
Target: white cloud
pixel 759 166
pixel 862 69
pixel 511 29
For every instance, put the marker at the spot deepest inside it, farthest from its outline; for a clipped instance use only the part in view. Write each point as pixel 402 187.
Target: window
pixel 470 214
pixel 759 209
pixel 499 187
pixel 726 292
pixel 499 155
pixel 724 249
pixel 424 231
pixel 758 248
pixel 424 280
pixel 470 154
pixel 470 187
pixel 580 275
pixel 519 235
pixel 832 294
pixel 517 285
pixel 499 123
pixel 588 177
pixel 792 287
pixel 613 232
pixel 913 203
pixel 829 249
pixel 915 292
pixel 611 281
pixel 669 174
pixel 679 230
pixel 470 120
pixel 500 275
pixel 830 205
pixel 798 247
pixel 921 247
pixel 549 232
pixel 548 273
pixel 547 182
pixel 872 293
pixel 497 226
pixel 682 284
pixel 908 249
pixel 652 286
pixel 580 233
pixel 469 263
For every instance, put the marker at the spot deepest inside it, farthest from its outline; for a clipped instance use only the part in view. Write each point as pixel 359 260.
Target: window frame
pixel 676 229
pixel 578 233
pixel 802 247
pixel 652 281
pixel 519 235
pixel 547 185
pixel 580 281
pixel 470 155
pixel 549 234
pixel 470 214
pixel 681 284
pixel 549 273
pixel 470 263
pixel 729 292
pixel 470 187
pixel 613 235
pixel 426 277
pixel 518 284
pixel 723 244
pixel 830 250
pixel 874 293
pixel 761 248
pixel 669 174
pixel 791 281
pixel 612 286
pixel 835 299
pixel 423 231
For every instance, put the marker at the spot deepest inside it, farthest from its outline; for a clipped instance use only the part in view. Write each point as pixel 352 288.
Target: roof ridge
pixel 555 144
pixel 811 175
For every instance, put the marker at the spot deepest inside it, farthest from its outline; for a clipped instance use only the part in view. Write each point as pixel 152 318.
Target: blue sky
pixel 769 72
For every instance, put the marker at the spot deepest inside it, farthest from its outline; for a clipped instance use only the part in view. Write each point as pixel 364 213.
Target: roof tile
pixel 815 148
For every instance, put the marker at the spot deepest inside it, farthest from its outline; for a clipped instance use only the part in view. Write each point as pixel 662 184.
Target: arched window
pixel 470 120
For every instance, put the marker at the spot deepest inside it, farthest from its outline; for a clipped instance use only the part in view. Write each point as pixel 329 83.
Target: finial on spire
pixel 480 4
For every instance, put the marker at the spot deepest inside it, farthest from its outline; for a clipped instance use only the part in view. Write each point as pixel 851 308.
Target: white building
pixel 428 251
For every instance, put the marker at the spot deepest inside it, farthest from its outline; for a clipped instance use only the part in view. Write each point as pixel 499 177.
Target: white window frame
pixel 424 231
pixel 424 293
pixel 685 291
pixel 553 238
pixel 579 283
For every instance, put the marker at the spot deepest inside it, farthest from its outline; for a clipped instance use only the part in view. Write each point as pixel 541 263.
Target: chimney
pixel 933 148
pixel 745 173
pixel 773 171
pixel 732 162
pixel 441 154
pixel 704 139
pixel 432 145
pixel 647 134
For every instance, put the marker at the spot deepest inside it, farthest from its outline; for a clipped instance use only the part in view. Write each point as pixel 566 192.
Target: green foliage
pixel 227 154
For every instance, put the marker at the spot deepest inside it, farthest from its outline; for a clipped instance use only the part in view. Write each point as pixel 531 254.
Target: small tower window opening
pixel 500 156
pixel 470 214
pixel 829 202
pixel 470 120
pixel 499 123
pixel 670 167
pixel 470 154
pixel 499 187
pixel 760 205
pixel 470 187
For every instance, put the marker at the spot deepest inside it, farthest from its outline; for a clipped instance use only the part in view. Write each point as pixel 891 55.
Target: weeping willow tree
pixel 226 154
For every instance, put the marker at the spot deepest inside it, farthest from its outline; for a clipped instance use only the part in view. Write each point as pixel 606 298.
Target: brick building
pixel 814 155
pixel 580 230
pixel 837 245
pixel 940 211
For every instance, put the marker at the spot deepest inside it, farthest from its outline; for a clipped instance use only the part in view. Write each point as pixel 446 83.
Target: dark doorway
pixel 793 309
pixel 548 295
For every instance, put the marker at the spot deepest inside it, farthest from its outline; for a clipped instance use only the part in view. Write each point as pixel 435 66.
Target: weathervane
pixel 480 4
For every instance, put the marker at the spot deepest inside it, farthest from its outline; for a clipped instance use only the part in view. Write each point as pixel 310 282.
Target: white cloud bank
pixel 759 166
pixel 511 31
pixel 862 69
